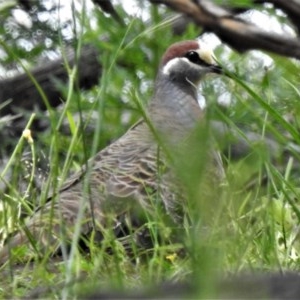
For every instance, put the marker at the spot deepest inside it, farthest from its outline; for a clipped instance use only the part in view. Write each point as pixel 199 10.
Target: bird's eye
pixel 193 57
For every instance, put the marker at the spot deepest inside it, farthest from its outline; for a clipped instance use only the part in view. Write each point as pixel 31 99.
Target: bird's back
pixel 118 179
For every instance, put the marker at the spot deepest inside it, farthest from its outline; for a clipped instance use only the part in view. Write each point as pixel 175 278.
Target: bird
pixel 133 170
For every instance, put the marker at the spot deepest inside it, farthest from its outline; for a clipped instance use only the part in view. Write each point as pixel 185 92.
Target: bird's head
pixel 187 62
pixel 174 106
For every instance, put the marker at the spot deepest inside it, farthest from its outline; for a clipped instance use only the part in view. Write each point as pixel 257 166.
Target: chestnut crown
pixel 188 61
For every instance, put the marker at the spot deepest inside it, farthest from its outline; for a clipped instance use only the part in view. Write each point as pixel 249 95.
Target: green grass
pixel 249 223
pixel 238 229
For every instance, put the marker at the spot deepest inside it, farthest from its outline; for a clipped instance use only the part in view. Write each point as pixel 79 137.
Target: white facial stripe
pixel 205 53
pixel 166 69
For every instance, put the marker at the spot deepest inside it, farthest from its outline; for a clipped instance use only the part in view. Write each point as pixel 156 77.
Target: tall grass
pixel 249 221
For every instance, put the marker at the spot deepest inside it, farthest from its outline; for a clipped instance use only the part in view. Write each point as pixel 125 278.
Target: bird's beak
pixel 207 55
pixel 216 69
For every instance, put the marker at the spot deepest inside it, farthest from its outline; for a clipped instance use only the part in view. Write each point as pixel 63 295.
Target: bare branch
pixel 239 34
pixel 23 94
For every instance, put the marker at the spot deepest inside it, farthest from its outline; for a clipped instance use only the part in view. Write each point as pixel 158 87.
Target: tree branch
pixel 23 94
pixel 238 33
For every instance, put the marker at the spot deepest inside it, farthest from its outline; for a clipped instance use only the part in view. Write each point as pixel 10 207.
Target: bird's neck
pixel 174 109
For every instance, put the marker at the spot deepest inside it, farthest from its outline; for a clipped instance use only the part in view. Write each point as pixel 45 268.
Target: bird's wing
pixel 118 177
pixel 121 177
pixel 107 156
